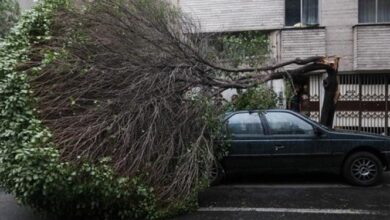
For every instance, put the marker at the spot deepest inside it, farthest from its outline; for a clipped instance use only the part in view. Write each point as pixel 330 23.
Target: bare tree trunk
pixel 331 86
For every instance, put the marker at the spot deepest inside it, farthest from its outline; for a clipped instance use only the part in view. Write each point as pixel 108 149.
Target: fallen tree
pixel 114 102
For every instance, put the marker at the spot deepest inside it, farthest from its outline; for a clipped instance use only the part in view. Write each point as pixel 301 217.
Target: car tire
pixel 363 169
pixel 217 174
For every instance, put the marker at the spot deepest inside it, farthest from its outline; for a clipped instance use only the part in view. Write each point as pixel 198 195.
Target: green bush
pixel 30 164
pixel 257 98
pixel 247 48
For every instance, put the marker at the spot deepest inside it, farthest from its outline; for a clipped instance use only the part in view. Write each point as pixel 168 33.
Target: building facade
pixel 358 31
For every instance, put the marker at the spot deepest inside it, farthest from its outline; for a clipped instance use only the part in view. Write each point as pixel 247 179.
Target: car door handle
pixel 279 147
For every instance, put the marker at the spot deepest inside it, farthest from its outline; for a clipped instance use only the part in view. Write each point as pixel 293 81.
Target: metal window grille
pixel 363 103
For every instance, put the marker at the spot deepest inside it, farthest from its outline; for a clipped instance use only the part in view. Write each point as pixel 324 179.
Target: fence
pixel 363 103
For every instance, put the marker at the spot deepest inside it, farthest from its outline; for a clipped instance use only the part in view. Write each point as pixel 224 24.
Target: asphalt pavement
pixel 11 210
pixel 303 196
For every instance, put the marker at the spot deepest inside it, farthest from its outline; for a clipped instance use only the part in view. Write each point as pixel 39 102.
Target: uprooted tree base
pixel 119 85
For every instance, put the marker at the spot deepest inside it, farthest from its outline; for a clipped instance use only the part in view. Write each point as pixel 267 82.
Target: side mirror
pixel 318 132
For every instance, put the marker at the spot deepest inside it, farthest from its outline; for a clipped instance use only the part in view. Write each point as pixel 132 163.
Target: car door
pixel 249 149
pixel 296 144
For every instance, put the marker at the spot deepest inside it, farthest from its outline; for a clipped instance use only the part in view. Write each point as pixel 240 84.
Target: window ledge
pixel 372 24
pixel 304 27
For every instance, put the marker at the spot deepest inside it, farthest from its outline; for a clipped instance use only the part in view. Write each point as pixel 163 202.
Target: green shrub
pixel 257 98
pixel 30 164
pixel 241 48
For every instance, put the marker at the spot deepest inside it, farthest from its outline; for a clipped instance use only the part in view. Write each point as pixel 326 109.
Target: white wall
pixel 302 43
pixel 235 15
pixel 372 47
pixel 338 16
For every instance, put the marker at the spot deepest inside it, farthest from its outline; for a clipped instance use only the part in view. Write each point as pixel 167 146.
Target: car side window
pixel 286 123
pixel 245 123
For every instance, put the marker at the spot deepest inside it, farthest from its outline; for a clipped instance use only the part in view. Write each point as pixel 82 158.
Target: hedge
pixel 30 164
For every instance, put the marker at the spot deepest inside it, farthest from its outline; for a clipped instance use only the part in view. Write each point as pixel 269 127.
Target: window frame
pixel 269 131
pixel 376 14
pixel 301 13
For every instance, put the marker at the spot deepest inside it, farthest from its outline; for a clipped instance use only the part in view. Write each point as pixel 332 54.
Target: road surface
pixel 304 196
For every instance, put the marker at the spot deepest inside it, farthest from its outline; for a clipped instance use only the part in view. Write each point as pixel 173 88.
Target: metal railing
pixel 363 103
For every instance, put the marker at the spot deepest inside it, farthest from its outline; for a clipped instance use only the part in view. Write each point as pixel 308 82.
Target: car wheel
pixel 216 174
pixel 363 169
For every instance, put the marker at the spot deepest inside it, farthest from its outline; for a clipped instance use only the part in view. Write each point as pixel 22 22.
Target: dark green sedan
pixel 282 140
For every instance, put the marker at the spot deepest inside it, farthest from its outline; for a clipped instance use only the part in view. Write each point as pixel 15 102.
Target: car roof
pixel 268 110
pixel 228 114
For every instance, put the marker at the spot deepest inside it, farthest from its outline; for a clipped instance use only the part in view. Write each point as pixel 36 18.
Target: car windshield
pixel 321 125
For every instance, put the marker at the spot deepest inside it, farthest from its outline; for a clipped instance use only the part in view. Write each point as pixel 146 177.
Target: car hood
pixel 359 135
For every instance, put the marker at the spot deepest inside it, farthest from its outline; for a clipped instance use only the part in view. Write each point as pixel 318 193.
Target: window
pixel 285 123
pixel 245 123
pixel 301 11
pixel 374 11
pixel 383 10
